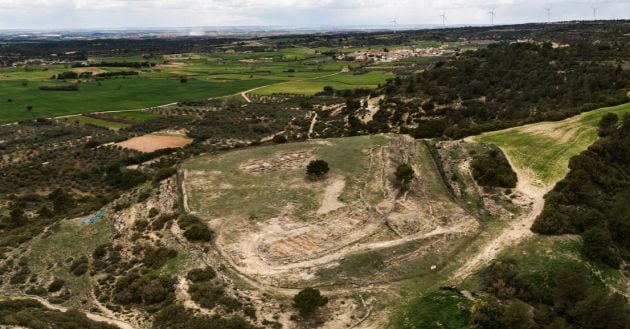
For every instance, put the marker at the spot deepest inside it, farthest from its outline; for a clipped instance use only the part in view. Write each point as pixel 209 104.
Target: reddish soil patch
pixel 150 143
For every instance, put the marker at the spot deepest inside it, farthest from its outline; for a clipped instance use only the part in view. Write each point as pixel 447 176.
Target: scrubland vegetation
pixel 277 214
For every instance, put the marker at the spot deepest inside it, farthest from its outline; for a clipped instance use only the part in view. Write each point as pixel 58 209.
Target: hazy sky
pixel 46 14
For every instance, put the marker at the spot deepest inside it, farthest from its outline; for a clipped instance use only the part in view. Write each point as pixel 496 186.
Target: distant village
pixel 385 55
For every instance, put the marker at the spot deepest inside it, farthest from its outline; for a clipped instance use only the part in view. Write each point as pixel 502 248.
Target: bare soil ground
pixel 152 142
pixel 93 70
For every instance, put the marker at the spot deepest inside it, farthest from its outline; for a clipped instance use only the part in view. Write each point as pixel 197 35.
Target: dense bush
pixel 201 275
pixel 317 168
pixel 79 266
pixel 195 229
pixel 177 317
pixel 594 198
pixel 144 289
pixel 570 298
pixel 505 85
pixel 491 168
pixel 155 258
pixel 32 314
pixel 309 300
pixel 56 285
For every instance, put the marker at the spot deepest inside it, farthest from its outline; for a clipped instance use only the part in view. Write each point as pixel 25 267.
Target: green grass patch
pixel 544 149
pixel 107 95
pixel 436 310
pixel 84 120
pixel 71 239
pixel 136 115
pixel 344 81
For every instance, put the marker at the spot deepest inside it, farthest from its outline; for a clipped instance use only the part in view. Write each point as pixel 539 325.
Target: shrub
pixel 201 275
pixel 317 168
pixel 79 266
pixel 404 174
pixel 492 169
pixel 309 300
pixel 198 232
pixel 156 257
pixel 56 285
pixel 279 139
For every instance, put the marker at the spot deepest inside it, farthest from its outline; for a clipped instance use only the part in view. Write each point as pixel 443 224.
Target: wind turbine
pixel 595 9
pixel 492 15
pixel 443 18
pixel 548 9
pixel 395 22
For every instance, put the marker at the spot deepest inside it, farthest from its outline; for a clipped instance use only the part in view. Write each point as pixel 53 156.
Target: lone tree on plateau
pixel 308 300
pixel 317 168
pixel 404 174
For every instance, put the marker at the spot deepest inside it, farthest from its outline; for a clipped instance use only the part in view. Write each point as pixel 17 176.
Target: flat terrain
pixel 543 149
pixel 107 95
pixel 153 142
pixel 211 75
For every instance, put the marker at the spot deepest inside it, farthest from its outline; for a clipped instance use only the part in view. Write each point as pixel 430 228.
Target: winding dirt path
pixel 91 316
pixel 517 231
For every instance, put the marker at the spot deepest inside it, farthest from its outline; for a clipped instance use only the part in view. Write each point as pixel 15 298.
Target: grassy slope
pixel 71 239
pixel 544 149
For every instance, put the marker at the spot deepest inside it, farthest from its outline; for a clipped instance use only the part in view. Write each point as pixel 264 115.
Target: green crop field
pixel 208 75
pixel 107 95
pixel 135 115
pixel 98 122
pixel 545 148
pixel 341 81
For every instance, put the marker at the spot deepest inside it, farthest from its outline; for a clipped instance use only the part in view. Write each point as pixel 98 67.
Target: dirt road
pixel 516 232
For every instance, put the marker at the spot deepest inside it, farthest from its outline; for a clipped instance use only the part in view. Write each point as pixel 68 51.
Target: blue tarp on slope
pixel 93 218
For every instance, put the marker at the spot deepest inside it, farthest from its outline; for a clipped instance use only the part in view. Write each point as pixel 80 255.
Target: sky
pixel 85 14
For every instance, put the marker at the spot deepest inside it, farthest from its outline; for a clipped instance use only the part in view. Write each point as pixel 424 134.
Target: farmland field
pixel 107 95
pixel 545 148
pixel 84 120
pixel 338 82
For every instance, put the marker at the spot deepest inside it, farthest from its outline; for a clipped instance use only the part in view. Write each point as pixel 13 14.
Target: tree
pixel 608 124
pixel 571 283
pixel 518 315
pixel 198 232
pixel 317 168
pixel 598 245
pixel 404 174
pixel 487 314
pixel 17 217
pixel 601 310
pixel 308 300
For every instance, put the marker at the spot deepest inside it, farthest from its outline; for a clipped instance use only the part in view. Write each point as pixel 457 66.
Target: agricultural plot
pixel 544 149
pixel 107 95
pixel 343 81
pixel 281 228
pixel 155 141
pixel 296 70
pixel 85 120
